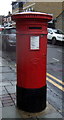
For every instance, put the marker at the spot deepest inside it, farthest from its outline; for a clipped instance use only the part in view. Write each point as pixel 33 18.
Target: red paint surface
pixel 31 64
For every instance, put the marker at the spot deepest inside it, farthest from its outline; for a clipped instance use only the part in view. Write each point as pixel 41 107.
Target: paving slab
pixel 13 96
pixel 1 50
pixel 4 91
pixel 0 104
pixel 8 76
pixel 14 112
pixel 4 62
pixel 0 90
pixel 11 89
pixel 0 77
pixel 13 82
pixel 0 61
pixel 10 112
pixel 8 100
pixel 5 83
pixel 50 112
pixel 0 113
pixel 5 69
pixel 0 68
pixel 10 103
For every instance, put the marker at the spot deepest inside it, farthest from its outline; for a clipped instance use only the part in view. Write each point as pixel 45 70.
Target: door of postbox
pixel 31 56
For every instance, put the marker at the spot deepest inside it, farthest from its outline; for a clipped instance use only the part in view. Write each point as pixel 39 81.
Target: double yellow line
pixel 54 83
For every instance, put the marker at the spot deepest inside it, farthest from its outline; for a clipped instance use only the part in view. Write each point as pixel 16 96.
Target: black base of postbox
pixel 31 100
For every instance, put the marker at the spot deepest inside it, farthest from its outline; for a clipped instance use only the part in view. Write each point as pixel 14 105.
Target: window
pixel 58 32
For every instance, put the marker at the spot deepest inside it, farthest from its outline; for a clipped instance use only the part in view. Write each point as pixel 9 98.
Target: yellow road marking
pixel 59 86
pixel 55 78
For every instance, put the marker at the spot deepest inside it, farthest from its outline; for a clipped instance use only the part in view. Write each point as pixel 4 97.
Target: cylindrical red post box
pixel 31 51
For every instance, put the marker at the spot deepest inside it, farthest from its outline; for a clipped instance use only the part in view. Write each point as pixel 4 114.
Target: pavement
pixel 8 107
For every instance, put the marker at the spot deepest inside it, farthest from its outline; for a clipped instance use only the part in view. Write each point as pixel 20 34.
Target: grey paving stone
pixel 13 65
pixel 5 69
pixel 4 62
pixel 13 112
pixel 53 115
pixel 0 104
pixel 0 55
pixel 4 91
pixel 0 113
pixel 8 104
pixel 7 101
pixel 13 96
pixel 0 61
pixel 49 112
pixel 0 69
pixel 0 64
pixel 6 97
pixel 8 76
pixel 13 82
pixel 0 77
pixel 5 83
pixel 10 112
pixel 0 90
pixel 11 89
pixel 1 50
pixel 14 100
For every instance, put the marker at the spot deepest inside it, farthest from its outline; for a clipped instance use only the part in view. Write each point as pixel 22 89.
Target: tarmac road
pixel 55 82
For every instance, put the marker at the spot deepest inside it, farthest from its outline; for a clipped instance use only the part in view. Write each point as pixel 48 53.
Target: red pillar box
pixel 31 51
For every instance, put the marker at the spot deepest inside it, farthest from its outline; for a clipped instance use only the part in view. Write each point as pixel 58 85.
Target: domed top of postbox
pixel 32 15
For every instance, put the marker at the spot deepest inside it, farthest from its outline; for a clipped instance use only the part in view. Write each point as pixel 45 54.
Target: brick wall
pixel 54 8
pixel 60 21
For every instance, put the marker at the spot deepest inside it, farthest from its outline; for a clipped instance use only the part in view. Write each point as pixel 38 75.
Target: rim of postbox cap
pixel 32 15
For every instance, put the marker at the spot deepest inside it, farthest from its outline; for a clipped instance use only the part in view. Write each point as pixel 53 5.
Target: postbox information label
pixel 34 42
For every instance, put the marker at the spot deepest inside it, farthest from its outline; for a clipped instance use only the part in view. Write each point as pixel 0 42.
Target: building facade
pixel 7 20
pixel 54 8
pixel 17 7
pixel 1 20
pixel 60 21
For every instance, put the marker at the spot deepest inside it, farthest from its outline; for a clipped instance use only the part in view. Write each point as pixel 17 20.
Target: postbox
pixel 31 51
